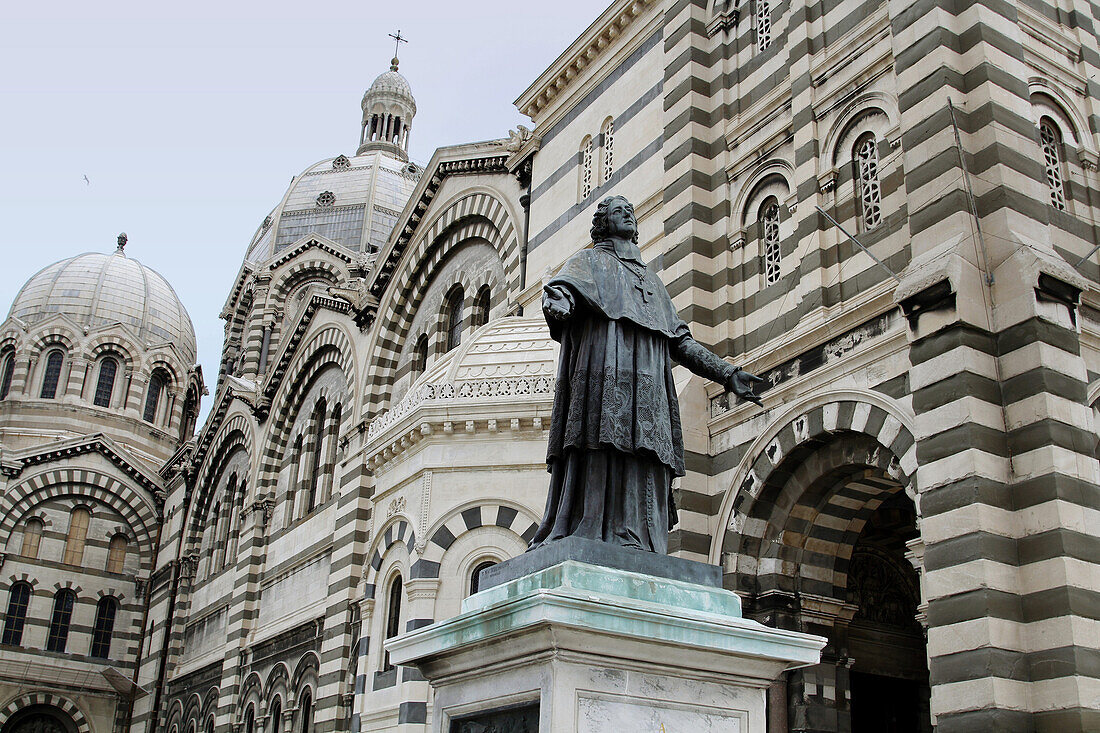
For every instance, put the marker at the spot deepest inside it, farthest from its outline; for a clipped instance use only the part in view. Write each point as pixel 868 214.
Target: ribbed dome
pixel 390 82
pixel 96 289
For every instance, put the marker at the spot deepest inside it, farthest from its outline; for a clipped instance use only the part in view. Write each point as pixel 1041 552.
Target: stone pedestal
pixel 586 648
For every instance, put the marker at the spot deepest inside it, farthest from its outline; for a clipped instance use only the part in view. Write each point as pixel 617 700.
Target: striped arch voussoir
pixel 136 509
pixel 301 271
pixel 328 347
pixel 399 530
pixel 63 704
pixel 446 532
pixel 839 459
pixel 479 215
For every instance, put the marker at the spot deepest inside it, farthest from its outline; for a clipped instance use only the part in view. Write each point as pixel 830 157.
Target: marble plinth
pixel 579 648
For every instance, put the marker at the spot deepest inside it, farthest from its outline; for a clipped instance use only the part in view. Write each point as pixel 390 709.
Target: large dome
pixel 351 201
pixel 95 290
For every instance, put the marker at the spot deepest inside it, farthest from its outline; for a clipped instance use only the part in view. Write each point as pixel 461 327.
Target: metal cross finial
pixel 122 241
pixel 398 39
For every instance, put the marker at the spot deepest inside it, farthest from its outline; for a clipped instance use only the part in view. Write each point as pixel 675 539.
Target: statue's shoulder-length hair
pixel 599 219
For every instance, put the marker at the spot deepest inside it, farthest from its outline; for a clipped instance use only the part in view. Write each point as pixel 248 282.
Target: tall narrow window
pixel 54 360
pixel 868 190
pixel 763 24
pixel 19 598
pixel 393 618
pixel 292 483
pixel 209 725
pixel 586 168
pixel 481 307
pixel 454 318
pixel 58 637
pixel 250 720
pixel 608 150
pixel 306 707
pixel 475 576
pixel 190 413
pixel 32 538
pixel 1051 141
pixel 105 612
pixel 420 356
pixel 7 369
pixel 330 452
pixel 276 717
pixel 105 385
pixel 152 397
pixel 318 446
pixel 116 553
pixel 769 236
pixel 78 533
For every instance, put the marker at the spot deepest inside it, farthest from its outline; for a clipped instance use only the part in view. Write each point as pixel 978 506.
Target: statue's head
pixel 603 228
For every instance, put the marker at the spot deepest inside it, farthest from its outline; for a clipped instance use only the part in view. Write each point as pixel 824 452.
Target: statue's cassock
pixel 615 436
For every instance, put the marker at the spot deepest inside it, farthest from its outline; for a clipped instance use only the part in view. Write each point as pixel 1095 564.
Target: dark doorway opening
pixel 39 719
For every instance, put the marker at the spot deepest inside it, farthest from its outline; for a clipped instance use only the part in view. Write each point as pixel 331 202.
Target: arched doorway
pixel 889 673
pixel 40 719
pixel 817 543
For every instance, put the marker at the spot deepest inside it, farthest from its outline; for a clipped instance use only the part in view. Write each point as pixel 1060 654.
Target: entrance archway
pixel 816 542
pixel 40 719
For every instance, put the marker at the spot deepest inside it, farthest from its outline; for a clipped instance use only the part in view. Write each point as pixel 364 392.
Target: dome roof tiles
pixel 97 290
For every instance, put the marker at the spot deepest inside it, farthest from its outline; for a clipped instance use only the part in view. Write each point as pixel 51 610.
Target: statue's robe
pixel 615 436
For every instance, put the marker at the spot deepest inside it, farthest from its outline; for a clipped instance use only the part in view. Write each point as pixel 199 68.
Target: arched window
pixel 330 452
pixel 868 190
pixel 152 396
pixel 315 464
pixel 105 385
pixel 393 618
pixel 78 533
pixel 420 356
pixel 250 719
pixel 50 377
pixel 63 602
pixel 32 538
pixel 7 369
pixel 763 24
pixel 475 575
pixel 454 318
pixel 19 598
pixel 586 168
pixel 276 715
pixel 608 150
pixel 190 415
pixel 105 612
pixel 769 238
pixel 306 707
pixel 116 553
pixel 209 725
pixel 481 307
pixel 292 484
pixel 1051 140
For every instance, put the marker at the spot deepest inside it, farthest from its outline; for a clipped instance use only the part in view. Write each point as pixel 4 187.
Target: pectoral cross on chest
pixel 646 289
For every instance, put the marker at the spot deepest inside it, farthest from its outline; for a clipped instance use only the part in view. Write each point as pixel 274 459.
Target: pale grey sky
pixel 189 119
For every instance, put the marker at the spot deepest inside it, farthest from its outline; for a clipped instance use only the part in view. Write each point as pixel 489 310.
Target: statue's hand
pixel 555 305
pixel 740 383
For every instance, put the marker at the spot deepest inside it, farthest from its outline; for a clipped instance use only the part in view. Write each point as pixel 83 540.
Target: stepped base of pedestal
pixel 582 648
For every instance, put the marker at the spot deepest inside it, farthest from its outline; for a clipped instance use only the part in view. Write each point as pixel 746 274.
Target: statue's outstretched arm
pixel 704 362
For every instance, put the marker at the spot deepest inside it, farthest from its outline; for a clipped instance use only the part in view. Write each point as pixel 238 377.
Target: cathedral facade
pixel 885 209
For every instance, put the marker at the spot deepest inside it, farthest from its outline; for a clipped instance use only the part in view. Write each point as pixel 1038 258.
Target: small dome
pixel 390 82
pixel 96 289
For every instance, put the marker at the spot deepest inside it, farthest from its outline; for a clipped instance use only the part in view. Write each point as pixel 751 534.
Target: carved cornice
pixel 584 52
pixel 13 466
